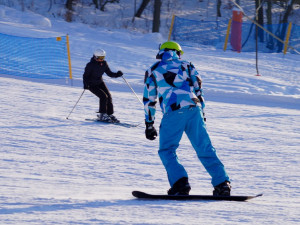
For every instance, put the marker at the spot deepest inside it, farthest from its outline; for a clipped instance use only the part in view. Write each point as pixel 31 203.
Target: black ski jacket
pixel 93 72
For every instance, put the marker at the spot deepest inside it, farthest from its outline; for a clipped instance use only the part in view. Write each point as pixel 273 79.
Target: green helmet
pixel 171 45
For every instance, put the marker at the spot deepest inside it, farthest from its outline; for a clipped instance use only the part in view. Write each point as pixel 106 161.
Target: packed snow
pixel 59 171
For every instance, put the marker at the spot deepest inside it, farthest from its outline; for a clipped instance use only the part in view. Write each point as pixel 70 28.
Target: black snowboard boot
pixel 181 187
pixel 222 189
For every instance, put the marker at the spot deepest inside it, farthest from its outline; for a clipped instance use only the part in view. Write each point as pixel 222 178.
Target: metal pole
pixel 133 91
pixel 75 104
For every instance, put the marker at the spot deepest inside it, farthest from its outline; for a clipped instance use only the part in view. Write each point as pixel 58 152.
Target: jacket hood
pixel 93 59
pixel 167 55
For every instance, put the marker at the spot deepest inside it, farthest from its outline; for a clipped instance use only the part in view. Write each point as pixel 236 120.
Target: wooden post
pixel 69 57
pixel 227 35
pixel 287 38
pixel 171 27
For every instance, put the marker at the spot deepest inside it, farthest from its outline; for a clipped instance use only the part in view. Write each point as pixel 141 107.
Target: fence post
pixel 227 34
pixel 171 27
pixel 69 57
pixel 288 34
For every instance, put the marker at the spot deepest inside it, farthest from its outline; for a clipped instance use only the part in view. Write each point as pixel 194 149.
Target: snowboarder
pixel 177 84
pixel 93 81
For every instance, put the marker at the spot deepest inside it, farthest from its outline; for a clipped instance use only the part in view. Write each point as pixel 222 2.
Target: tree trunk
pixel 69 4
pixel 50 6
pixel 96 4
pixel 269 12
pixel 219 3
pixel 288 11
pixel 142 7
pixel 69 12
pixel 156 16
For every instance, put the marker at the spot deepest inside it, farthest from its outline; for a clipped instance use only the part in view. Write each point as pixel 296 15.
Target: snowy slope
pixel 58 171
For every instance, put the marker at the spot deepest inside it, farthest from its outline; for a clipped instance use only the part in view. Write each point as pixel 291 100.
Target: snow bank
pixel 26 18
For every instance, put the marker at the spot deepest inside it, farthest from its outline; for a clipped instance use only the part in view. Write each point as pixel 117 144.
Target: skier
pixel 177 84
pixel 93 81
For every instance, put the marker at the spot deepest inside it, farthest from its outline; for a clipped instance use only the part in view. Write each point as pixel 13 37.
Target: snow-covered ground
pixel 59 171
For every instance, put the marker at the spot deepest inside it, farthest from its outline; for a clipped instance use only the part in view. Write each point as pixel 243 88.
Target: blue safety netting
pixel 213 33
pixel 200 32
pixel 295 38
pixel 44 58
pixel 266 42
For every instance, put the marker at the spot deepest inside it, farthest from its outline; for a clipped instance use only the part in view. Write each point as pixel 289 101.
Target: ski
pixel 118 124
pixel 143 195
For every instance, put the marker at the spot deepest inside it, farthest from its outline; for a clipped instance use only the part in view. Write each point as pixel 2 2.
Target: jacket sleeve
pixel 87 75
pixel 109 72
pixel 197 83
pixel 150 96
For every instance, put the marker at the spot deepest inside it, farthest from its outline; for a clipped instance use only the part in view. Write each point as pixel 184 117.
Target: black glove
pixel 150 131
pixel 119 73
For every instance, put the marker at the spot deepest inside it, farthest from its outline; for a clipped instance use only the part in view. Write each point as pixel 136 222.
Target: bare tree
pixel 288 11
pixel 142 7
pixel 69 13
pixel 269 11
pixel 156 16
pixel 270 39
pixel 50 6
pixel 69 4
pixel 219 3
pixel 100 4
pixel 96 3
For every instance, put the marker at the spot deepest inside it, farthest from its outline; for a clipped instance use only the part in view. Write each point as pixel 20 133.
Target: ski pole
pixel 75 104
pixel 132 90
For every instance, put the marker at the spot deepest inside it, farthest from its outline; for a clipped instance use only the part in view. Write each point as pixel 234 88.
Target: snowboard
pixel 143 195
pixel 119 124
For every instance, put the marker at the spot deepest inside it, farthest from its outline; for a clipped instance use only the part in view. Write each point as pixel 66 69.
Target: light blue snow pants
pixel 190 121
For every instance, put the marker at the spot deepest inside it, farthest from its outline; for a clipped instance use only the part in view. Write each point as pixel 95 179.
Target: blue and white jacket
pixel 175 82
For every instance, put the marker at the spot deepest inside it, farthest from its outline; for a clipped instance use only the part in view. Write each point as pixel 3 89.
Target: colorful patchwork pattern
pixel 175 82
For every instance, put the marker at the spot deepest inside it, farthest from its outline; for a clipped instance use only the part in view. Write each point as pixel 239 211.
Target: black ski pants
pixel 105 100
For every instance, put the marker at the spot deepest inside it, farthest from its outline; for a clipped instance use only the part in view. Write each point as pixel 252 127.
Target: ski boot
pixel 104 117
pixel 222 189
pixel 181 187
pixel 114 119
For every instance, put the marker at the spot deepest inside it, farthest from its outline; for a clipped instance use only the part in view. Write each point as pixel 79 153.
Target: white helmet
pixel 99 52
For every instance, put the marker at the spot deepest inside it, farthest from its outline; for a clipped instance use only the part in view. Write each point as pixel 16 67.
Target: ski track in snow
pixel 81 172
